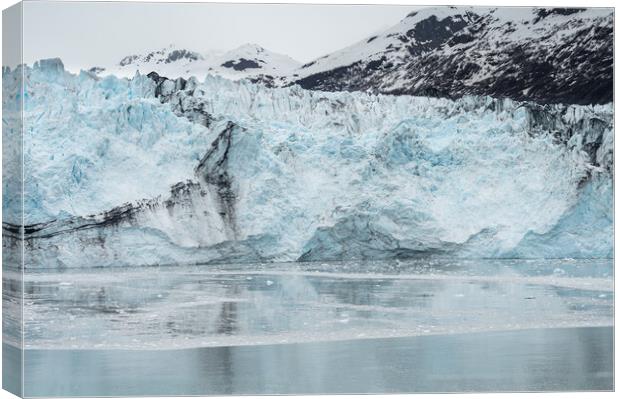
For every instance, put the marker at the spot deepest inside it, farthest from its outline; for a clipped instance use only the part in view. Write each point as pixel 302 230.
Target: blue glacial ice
pixel 154 171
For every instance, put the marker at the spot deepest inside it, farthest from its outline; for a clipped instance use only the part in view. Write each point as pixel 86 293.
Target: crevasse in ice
pixel 164 171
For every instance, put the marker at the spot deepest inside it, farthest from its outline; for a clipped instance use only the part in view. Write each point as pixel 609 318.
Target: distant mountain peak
pixel 246 61
pixel 250 47
pixel 166 55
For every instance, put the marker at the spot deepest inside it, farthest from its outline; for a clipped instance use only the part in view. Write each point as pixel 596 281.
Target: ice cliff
pixel 155 171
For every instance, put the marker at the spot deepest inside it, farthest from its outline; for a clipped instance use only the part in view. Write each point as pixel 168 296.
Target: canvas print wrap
pixel 412 199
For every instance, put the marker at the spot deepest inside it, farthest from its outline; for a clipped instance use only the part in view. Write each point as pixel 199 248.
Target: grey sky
pixel 87 34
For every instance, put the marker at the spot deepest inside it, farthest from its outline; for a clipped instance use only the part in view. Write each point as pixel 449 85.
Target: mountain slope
pixel 543 55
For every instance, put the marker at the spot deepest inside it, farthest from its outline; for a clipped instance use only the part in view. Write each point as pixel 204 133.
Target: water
pixel 332 325
pixel 568 359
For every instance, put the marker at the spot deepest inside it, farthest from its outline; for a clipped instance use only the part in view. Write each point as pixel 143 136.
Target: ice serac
pixel 184 171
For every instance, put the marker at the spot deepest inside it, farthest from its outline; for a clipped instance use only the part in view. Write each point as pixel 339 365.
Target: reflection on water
pixel 523 360
pixel 201 306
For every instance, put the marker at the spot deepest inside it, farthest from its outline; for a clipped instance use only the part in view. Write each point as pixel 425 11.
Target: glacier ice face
pixel 223 171
pixel 11 147
pixel 409 175
pixel 591 216
pixel 91 144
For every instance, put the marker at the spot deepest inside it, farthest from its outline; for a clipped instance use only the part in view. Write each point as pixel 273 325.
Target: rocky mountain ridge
pixel 557 55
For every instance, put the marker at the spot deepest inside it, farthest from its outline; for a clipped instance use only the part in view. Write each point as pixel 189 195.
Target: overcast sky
pixel 87 34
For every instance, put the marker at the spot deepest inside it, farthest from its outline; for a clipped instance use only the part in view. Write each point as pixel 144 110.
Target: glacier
pixel 151 171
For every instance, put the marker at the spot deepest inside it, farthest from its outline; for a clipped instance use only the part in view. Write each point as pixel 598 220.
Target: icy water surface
pixel 415 326
pixel 204 306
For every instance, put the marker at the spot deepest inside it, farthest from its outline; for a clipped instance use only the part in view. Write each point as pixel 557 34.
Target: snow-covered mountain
pixel 151 170
pixel 544 55
pixel 547 55
pixel 246 61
